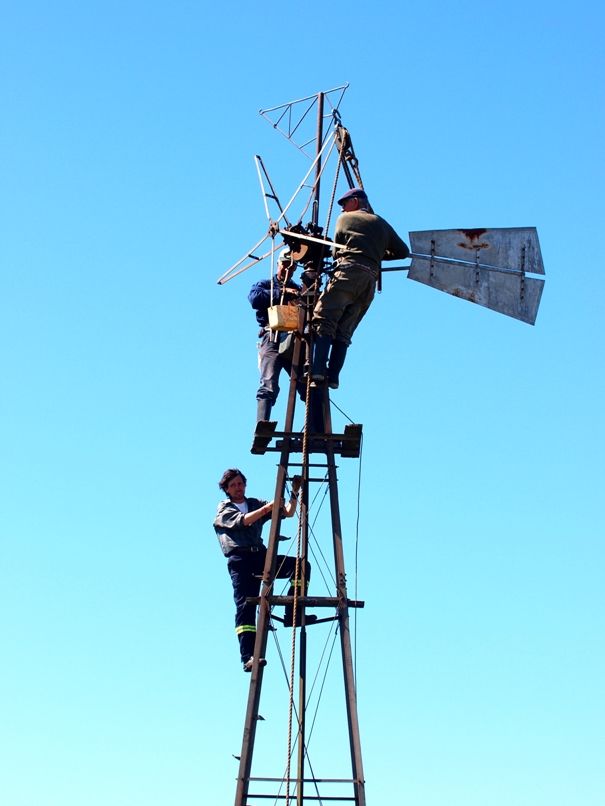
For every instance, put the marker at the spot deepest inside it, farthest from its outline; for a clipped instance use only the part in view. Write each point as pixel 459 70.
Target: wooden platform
pixel 347 444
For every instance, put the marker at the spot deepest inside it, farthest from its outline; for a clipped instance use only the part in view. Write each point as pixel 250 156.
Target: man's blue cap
pixel 354 193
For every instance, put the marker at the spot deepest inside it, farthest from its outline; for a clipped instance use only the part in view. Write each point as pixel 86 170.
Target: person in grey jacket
pixel 238 525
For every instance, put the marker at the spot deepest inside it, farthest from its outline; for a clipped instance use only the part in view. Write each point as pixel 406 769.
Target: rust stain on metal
pixel 473 236
pixel 463 293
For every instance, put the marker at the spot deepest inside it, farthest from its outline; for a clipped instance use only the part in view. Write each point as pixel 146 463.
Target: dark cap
pixel 354 193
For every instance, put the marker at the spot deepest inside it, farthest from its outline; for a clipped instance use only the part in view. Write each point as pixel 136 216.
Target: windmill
pixel 493 267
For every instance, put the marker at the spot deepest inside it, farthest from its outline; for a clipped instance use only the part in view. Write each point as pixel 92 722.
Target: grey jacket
pixel 230 529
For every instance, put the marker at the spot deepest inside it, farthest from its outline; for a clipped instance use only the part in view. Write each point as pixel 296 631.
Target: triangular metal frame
pixel 288 118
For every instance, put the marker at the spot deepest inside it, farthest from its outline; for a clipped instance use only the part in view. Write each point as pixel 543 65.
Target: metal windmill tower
pixel 482 265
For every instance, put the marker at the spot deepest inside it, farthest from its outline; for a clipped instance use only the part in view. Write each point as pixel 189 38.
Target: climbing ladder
pixel 312 456
pixel 296 454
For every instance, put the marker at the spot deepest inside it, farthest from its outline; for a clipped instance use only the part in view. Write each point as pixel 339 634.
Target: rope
pixel 328 649
pixel 296 594
pixel 291 681
pixel 333 195
pixel 306 176
pixel 323 683
pixel 305 462
pixel 319 679
pixel 297 587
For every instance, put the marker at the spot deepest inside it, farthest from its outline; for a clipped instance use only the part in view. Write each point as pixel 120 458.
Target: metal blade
pixel 511 294
pixel 486 266
pixel 514 248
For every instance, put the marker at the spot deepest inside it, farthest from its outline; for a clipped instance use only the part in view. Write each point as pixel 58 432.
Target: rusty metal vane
pixel 485 266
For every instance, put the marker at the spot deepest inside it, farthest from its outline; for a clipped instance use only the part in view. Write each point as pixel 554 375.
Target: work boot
pixel 338 354
pixel 263 409
pixel 321 349
pixel 250 663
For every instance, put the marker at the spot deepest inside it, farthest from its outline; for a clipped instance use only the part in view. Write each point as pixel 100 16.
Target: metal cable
pixel 328 648
pixel 356 567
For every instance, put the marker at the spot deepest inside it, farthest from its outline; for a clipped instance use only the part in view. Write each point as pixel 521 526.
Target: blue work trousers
pixel 270 364
pixel 246 570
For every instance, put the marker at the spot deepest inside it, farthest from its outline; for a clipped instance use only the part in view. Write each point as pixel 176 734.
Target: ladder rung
pixel 308 601
pixel 321 798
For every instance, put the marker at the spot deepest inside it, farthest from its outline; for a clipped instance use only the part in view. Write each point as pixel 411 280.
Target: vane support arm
pixel 262 172
pixel 456 263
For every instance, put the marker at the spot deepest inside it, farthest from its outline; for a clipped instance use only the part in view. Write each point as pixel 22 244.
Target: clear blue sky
pixel 128 382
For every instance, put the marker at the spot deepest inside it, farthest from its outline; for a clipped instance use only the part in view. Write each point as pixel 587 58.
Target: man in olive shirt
pixel 367 239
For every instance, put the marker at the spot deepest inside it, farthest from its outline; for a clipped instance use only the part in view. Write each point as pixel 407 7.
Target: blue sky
pixel 129 378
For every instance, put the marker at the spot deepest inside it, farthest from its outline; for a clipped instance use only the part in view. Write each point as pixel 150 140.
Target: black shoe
pixel 321 351
pixel 288 621
pixel 250 662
